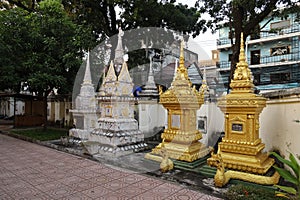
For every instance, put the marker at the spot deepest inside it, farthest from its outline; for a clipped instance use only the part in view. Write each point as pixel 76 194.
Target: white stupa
pixel 118 132
pixel 84 113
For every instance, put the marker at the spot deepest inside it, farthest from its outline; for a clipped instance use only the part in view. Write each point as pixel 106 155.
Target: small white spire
pixel 87 75
pixel 119 52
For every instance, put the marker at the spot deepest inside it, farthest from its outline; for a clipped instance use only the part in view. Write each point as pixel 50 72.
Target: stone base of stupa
pixel 183 152
pixel 244 158
pixel 79 133
pixel 115 137
pixel 97 149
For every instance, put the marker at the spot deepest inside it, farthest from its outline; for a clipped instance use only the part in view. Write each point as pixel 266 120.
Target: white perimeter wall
pixel 278 130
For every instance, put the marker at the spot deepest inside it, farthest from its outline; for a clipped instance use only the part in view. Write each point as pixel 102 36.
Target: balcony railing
pixel 264 34
pixel 267 60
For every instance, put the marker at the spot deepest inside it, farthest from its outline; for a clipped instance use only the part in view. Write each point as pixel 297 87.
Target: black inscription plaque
pixel 237 127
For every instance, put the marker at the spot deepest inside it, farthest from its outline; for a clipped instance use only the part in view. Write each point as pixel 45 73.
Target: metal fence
pixel 268 59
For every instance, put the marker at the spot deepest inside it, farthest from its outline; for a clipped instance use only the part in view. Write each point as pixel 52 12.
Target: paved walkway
pixel 31 171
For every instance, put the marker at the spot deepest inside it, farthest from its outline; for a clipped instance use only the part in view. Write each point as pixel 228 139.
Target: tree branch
pixel 21 5
pixel 258 18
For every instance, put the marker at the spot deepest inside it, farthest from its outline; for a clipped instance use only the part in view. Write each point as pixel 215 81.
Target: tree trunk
pixel 45 105
pixel 238 14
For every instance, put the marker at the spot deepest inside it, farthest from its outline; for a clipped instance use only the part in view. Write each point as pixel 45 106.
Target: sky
pixel 206 41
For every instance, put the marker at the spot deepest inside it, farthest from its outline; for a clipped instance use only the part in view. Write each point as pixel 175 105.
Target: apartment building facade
pixel 273 54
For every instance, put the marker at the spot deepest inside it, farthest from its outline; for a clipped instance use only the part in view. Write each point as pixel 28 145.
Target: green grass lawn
pixel 41 134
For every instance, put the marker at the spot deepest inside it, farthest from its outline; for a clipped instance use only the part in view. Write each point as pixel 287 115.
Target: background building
pixel 273 53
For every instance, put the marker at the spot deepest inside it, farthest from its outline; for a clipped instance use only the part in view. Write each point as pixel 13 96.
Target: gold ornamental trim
pixel 243 149
pixel 181 138
pixel 188 156
pixel 249 167
pixel 222 177
pixel 256 142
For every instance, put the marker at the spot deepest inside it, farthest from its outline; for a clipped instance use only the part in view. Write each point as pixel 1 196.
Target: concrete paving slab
pixel 32 171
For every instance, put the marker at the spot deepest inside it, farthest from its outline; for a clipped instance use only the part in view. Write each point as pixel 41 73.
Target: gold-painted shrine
pixel 241 148
pixel 181 137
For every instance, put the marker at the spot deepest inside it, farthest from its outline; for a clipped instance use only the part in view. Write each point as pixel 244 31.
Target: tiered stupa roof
pixel 181 91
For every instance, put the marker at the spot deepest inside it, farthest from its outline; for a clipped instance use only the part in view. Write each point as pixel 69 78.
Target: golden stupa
pixel 241 148
pixel 181 137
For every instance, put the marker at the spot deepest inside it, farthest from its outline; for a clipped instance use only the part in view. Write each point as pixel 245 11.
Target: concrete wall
pixel 58 111
pixel 7 106
pixel 151 114
pixel 214 122
pixel 278 129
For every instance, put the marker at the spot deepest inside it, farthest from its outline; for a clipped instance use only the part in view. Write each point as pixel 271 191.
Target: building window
pixel 255 57
pixel 280 77
pixel 215 56
pixel 276 51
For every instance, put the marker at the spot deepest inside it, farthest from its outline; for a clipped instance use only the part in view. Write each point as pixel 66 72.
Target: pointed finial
pixel 242 57
pixel 242 72
pixel 87 75
pixel 119 52
pixel 181 58
pixel 160 91
pixel 111 74
pixel 124 74
pixel 204 87
pixel 181 73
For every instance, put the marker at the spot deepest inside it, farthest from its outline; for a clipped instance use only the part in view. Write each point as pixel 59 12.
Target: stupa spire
pixel 124 75
pixel 111 74
pixel 151 74
pixel 204 87
pixel 87 75
pixel 242 74
pixel 181 72
pixel 119 52
pixel 242 57
pixel 150 89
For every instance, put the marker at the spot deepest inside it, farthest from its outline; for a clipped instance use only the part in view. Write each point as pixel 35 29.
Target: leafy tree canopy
pixel 102 18
pixel 106 15
pixel 42 49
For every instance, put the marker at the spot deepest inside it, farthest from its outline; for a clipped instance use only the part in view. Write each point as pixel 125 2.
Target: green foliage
pixel 246 192
pixel 42 49
pixel 28 5
pixel 102 16
pixel 292 177
pixel 51 37
pixel 42 134
pixel 14 45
